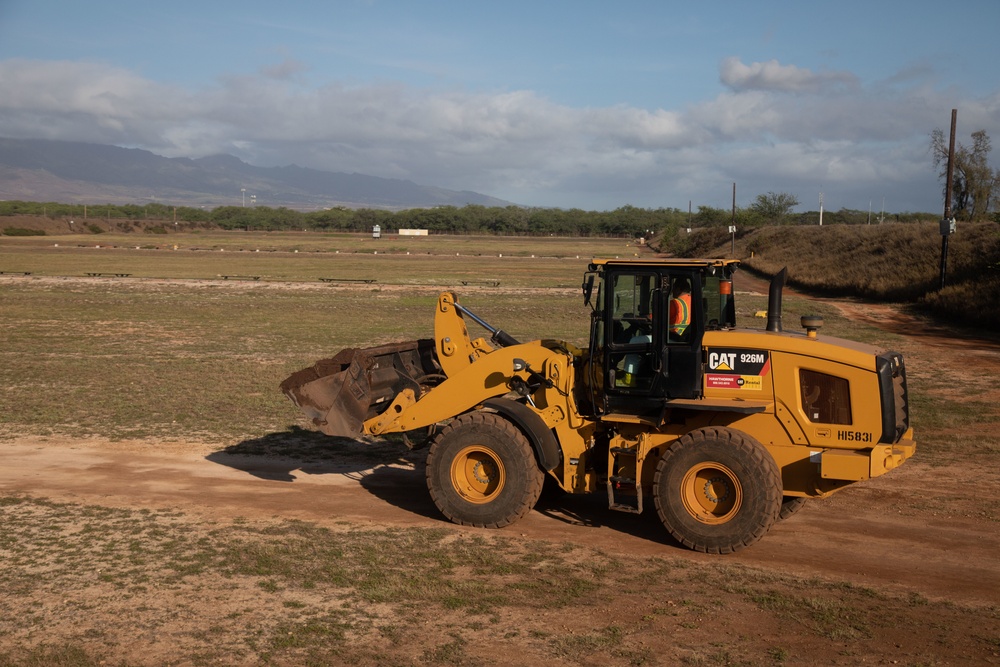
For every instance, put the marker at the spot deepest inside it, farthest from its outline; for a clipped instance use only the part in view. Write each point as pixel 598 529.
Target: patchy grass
pixel 89 585
pixel 120 360
pixel 437 261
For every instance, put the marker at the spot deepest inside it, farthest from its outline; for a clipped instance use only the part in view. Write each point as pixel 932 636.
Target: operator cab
pixel 647 324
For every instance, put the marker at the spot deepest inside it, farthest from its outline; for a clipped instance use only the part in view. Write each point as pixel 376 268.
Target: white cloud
pixel 517 144
pixel 774 76
pixel 285 70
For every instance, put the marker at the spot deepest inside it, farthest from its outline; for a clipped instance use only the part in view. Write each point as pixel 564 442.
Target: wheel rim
pixel 711 493
pixel 477 474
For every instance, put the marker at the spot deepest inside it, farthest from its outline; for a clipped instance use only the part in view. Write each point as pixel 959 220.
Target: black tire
pixel 482 471
pixel 790 505
pixel 717 490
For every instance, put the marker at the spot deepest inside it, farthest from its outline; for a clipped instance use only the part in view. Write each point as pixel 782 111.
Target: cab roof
pixel 665 262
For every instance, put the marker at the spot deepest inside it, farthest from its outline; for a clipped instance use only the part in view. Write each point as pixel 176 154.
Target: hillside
pixel 889 262
pixel 82 173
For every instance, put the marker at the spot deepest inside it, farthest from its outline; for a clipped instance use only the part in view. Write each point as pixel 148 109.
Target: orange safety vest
pixel 680 313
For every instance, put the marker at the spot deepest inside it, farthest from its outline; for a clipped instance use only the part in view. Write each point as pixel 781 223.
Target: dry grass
pixel 890 262
pixel 438 261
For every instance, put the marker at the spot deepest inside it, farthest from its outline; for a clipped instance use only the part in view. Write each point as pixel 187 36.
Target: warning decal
pixel 736 368
pixel 750 382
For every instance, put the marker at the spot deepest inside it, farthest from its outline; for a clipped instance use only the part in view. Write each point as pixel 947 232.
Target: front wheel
pixel 717 490
pixel 481 471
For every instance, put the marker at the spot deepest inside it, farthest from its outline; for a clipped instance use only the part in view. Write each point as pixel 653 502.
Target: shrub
pixel 971 302
pixel 20 231
pixel 94 228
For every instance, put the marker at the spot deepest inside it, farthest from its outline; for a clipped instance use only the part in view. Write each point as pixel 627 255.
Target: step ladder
pixel 622 483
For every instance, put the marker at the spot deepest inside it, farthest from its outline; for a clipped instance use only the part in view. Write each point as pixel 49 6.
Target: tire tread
pixel 527 468
pixel 762 466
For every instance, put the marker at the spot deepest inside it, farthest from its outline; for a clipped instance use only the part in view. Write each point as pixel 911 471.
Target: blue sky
pixel 572 104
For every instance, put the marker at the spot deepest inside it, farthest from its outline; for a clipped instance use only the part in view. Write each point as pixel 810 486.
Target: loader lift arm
pixel 386 389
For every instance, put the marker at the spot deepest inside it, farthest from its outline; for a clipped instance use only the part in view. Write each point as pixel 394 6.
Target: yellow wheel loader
pixel 727 430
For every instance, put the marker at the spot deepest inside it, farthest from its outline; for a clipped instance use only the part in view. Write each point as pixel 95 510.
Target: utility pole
pixel 948 222
pixel 732 227
pixel 734 204
pixel 821 209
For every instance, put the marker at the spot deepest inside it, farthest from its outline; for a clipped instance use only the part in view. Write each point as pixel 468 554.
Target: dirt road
pixel 910 531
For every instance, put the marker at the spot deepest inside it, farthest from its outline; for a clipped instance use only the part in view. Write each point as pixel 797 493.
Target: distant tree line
pixel 627 221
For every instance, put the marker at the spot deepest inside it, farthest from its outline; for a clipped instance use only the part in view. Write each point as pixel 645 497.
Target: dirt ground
pixel 930 532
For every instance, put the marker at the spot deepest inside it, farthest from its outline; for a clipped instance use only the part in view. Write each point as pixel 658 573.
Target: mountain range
pixel 84 173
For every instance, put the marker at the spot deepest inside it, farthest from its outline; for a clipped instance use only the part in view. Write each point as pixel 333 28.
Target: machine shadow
pixel 391 472
pixel 384 467
pixel 592 511
pixel 276 455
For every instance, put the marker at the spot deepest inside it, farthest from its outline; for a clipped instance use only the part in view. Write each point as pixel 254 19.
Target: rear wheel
pixel 481 471
pixel 717 490
pixel 790 505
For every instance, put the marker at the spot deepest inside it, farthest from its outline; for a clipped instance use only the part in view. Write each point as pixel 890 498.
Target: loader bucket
pixel 339 394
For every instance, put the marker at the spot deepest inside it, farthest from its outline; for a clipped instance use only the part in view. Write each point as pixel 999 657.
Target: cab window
pixel 679 310
pixel 826 399
pixel 631 357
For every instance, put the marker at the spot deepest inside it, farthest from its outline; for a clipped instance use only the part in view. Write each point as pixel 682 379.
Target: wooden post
pixel 946 222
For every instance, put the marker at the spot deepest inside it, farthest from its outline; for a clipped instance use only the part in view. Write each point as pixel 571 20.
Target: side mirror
pixel 588 288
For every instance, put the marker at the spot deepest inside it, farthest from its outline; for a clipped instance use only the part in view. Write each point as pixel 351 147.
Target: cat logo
pixel 739 361
pixel 721 361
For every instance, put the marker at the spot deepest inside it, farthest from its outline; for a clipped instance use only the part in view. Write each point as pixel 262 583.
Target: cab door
pixel 645 359
pixel 680 368
pixel 632 338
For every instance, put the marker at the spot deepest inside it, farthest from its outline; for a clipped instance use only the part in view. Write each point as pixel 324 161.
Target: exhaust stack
pixel 774 301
